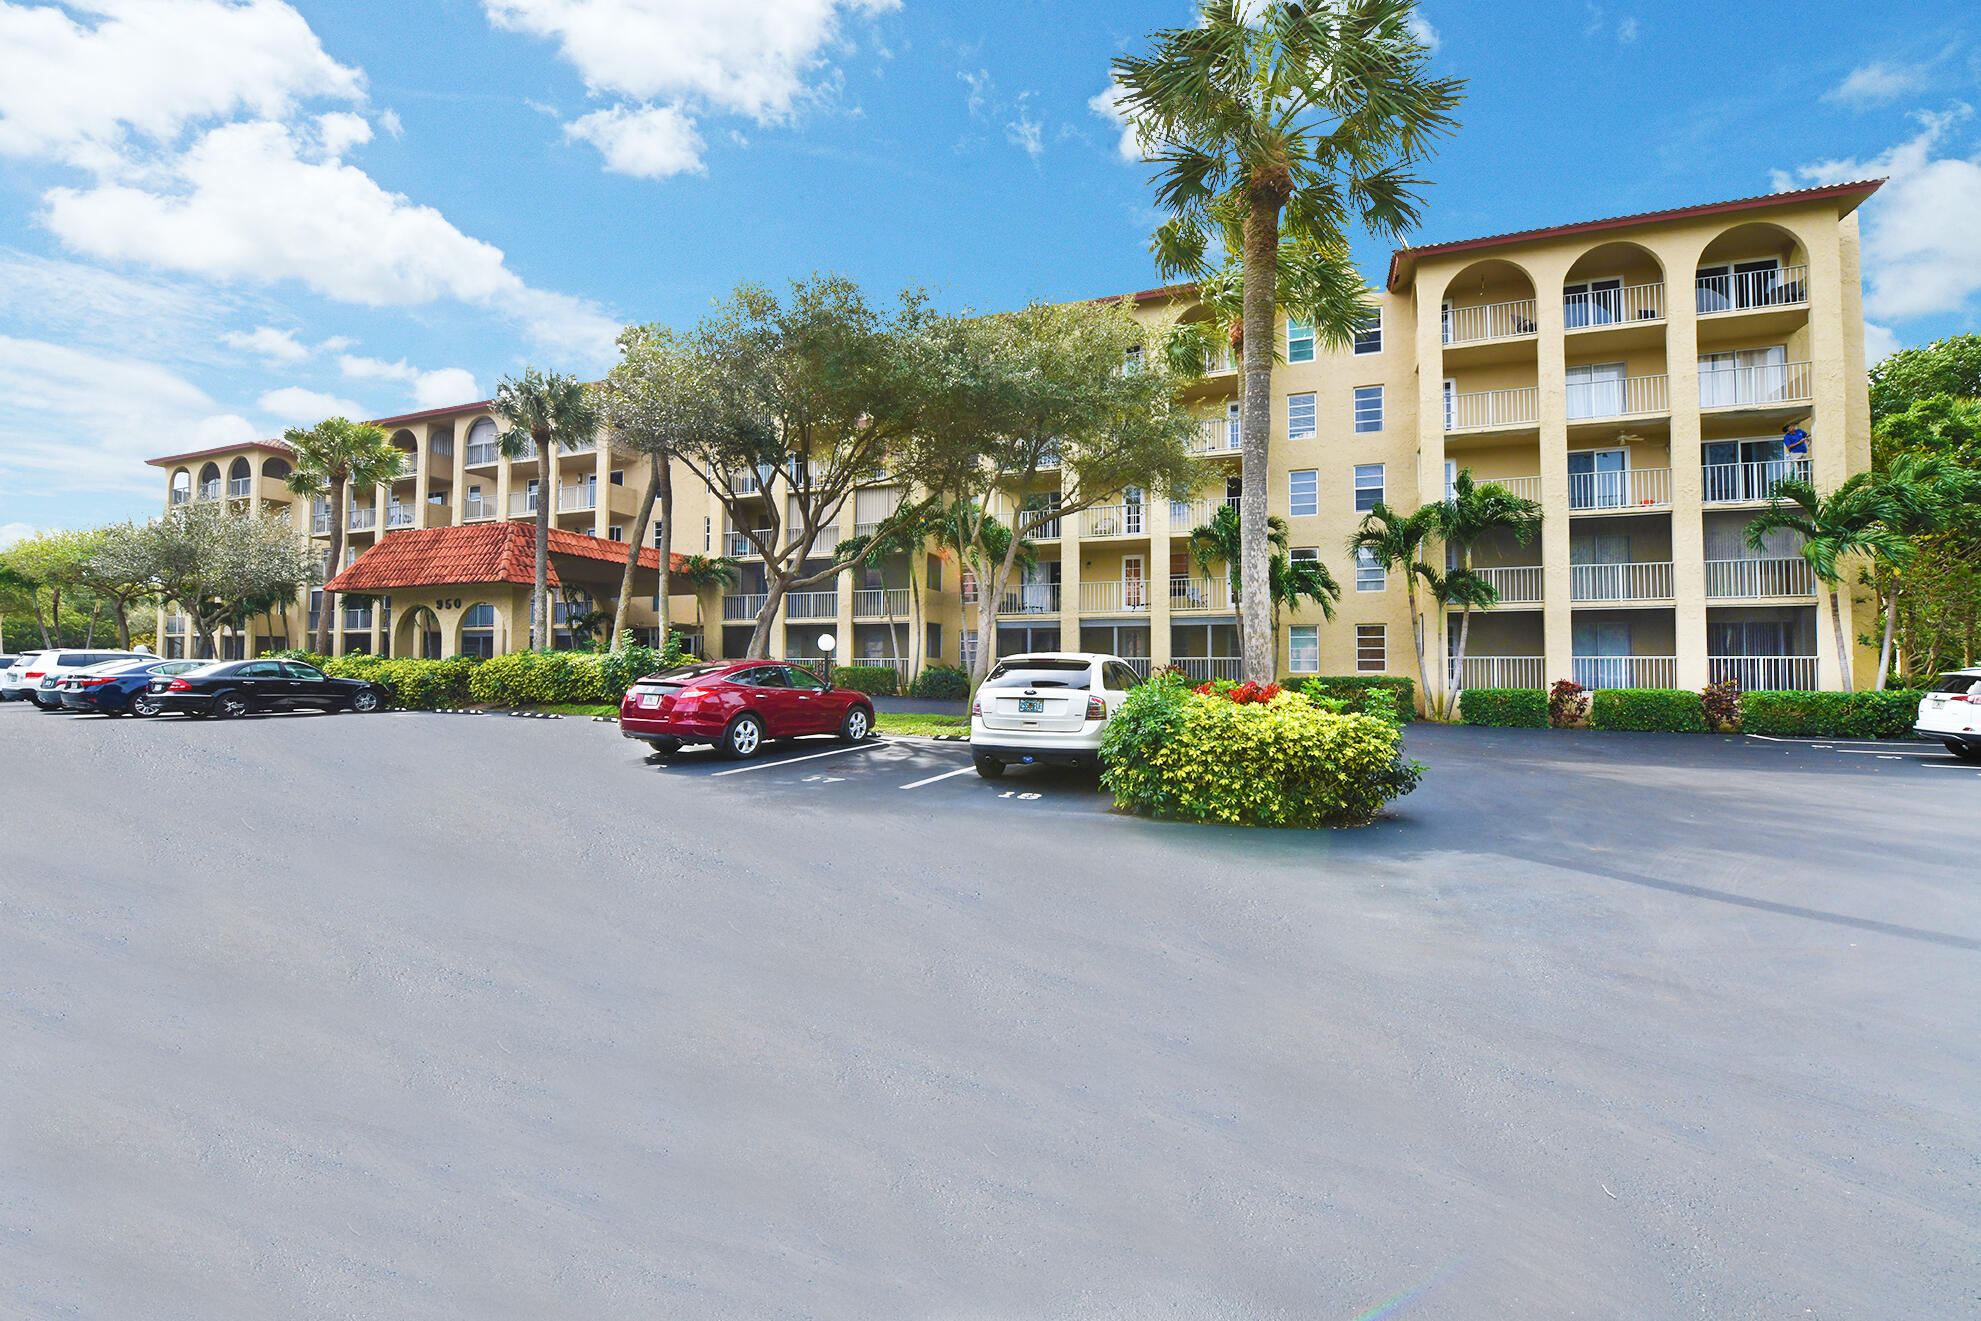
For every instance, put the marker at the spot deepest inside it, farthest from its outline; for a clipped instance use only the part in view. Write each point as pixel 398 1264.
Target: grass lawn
pixel 929 726
pixel 576 709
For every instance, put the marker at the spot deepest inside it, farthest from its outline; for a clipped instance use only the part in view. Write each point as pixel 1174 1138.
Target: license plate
pixel 649 700
pixel 1030 705
pixel 1939 701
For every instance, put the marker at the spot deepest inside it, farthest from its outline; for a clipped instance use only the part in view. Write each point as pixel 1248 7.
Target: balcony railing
pixel 409 464
pixel 521 503
pixel 363 519
pixel 400 516
pixel 320 525
pixel 1756 387
pixel 1764 674
pixel 1626 671
pixel 210 490
pixel 1634 488
pixel 1501 672
pixel 880 603
pixel 1203 669
pixel 1046 531
pixel 1216 436
pixel 175 624
pixel 1483 409
pixel 1744 483
pixel 1199 593
pixel 1186 516
pixel 182 497
pixel 743 607
pixel 1610 307
pixel 737 546
pixel 1517 584
pixel 826 539
pixel 240 488
pixel 1105 598
pixel 899 664
pixel 811 605
pixel 1527 488
pixel 577 499
pixel 1465 325
pixel 356 621
pixel 1742 291
pixel 1620 582
pixel 1031 599
pixel 1114 521
pixel 474 511
pixel 1628 396
pixel 1759 578
pixel 483 453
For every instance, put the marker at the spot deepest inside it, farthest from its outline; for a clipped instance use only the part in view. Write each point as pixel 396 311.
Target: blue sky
pixel 219 217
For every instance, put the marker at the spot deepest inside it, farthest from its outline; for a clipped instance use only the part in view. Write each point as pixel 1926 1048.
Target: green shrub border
pixel 1873 715
pixel 1504 708
pixel 873 680
pixel 1360 691
pixel 1646 711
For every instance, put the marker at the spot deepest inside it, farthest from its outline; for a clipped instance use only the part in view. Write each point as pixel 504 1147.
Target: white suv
pixel 40 673
pixel 13 679
pixel 1951 713
pixel 1046 708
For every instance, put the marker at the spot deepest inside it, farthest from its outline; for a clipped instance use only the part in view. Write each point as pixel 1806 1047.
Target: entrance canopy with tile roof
pixel 503 552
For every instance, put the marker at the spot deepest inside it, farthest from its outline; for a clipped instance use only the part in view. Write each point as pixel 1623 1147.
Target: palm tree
pixel 701 572
pixel 330 458
pixel 1273 128
pixel 1288 581
pixel 1927 494
pixel 1469 514
pixel 1396 542
pixel 909 537
pixel 549 412
pixel 1853 521
pixel 1465 589
pixel 1294 581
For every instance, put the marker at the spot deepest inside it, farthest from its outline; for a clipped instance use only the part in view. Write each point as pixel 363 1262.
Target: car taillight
pixel 977 708
pixel 178 686
pixel 34 674
pixel 691 694
pixel 1096 709
pixel 93 683
pixel 1960 697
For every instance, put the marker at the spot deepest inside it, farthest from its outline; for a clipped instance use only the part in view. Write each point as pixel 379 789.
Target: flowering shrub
pixel 1187 754
pixel 1719 703
pixel 1568 704
pixel 1241 693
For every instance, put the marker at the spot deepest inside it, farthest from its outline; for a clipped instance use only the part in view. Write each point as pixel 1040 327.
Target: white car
pixel 1046 708
pixel 13 678
pixel 41 672
pixel 1951 713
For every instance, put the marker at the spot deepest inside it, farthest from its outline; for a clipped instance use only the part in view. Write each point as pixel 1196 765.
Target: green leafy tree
pixel 1926 497
pixel 1396 541
pixel 1465 589
pixel 1852 523
pixel 119 568
pixel 701 572
pixel 1468 515
pixel 1275 127
pixel 547 412
pixel 222 569
pixel 330 459
pixel 1950 367
pixel 908 539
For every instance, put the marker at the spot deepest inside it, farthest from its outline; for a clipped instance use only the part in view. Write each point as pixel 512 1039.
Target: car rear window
pixel 1957 683
pixel 680 676
pixel 1041 674
pixel 118 666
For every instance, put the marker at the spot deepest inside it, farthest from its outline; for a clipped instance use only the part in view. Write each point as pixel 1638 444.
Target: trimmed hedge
pixel 942 683
pixel 1363 693
pixel 1889 714
pixel 1646 711
pixel 1504 708
pixel 1183 755
pixel 540 678
pixel 873 680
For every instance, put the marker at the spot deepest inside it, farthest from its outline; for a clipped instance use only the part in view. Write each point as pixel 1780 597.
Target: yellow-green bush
pixel 539 678
pixel 419 685
pixel 1187 756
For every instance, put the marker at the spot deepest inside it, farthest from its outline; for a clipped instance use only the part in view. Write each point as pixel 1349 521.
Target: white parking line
pixel 944 776
pixel 1902 752
pixel 793 761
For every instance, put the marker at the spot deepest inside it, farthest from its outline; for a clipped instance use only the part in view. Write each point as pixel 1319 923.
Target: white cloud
pixel 1922 249
pixel 1880 342
pixel 299 407
pixel 647 142
pixel 1420 28
pixel 1107 104
pixel 981 87
pixel 341 130
pixel 390 122
pixel 1024 132
pixel 13 532
pixel 270 343
pixel 1876 83
pixel 683 58
pixel 1626 31
pixel 149 68
pixel 434 389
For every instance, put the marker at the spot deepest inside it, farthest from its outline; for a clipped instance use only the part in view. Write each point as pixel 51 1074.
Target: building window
pixel 935 642
pixel 1368 408
pixel 1300 416
pixel 1304 496
pixel 708 535
pixel 618 477
pixel 935 574
pixel 1368 486
pixel 1371 648
pixel 1131 361
pixel 618 532
pixel 1369 574
pixel 1303 649
pixel 1369 335
pixel 1299 341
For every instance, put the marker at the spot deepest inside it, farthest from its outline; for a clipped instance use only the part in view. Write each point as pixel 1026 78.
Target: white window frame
pixel 1312 506
pixel 1299 336
pixel 1369 575
pixel 1309 405
pixel 1364 635
pixel 617 532
pixel 1305 637
pixel 1363 348
pixel 1381 487
pixel 1361 428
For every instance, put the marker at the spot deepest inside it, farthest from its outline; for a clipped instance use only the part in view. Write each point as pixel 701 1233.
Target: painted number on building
pixel 454 604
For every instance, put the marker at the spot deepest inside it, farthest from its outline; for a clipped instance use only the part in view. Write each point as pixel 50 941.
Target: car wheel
pixel 144 704
pixel 743 737
pixel 364 701
pixel 858 724
pixel 1964 751
pixel 229 705
pixel 666 747
pixel 988 767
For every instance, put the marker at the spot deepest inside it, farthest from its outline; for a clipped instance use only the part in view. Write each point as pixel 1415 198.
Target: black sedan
pixel 234 688
pixel 121 687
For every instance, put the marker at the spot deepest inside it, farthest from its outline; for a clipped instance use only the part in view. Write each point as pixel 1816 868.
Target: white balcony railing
pixel 577 499
pixel 899 664
pixel 363 519
pixel 1203 669
pixel 1609 307
pixel 1743 483
pixel 1756 387
pixel 1635 488
pixel 320 525
pixel 880 603
pixel 1501 671
pixel 1759 578
pixel 240 488
pixel 1216 436
pixel 210 490
pixel 1527 488
pixel 409 464
pixel 811 605
pixel 400 516
pixel 1114 521
pixel 1742 291
pixel 1626 671
pixel 1464 325
pixel 1046 531
pixel 1620 582
pixel 825 540
pixel 358 620
pixel 1107 598
pixel 743 606
pixel 1199 593
pixel 182 497
pixel 1764 674
pixel 482 454
pixel 1185 516
pixel 1482 409
pixel 1518 584
pixel 521 503
pixel 1031 599
pixel 1627 396
pixel 475 510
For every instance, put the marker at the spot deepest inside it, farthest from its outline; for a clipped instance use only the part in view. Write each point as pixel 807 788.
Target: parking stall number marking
pixel 1013 793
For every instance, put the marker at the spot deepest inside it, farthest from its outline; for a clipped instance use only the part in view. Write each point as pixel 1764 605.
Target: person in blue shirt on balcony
pixel 1795 442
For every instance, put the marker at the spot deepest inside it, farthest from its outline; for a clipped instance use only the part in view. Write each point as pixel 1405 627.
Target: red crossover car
pixel 736 705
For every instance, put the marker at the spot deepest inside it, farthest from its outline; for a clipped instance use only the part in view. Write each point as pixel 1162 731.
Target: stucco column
pixel 1069 580
pixel 1688 488
pixel 1430 463
pixel 1551 378
pixel 1155 513
pixel 602 469
pixel 457 493
pixel 1832 448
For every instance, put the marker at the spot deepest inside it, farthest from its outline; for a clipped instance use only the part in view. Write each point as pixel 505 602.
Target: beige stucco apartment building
pixel 1633 375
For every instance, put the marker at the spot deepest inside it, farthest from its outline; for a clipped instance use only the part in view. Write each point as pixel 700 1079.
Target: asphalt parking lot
pixel 450 1016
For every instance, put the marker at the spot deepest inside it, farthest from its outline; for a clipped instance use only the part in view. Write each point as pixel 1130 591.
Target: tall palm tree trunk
pixel 664 539
pixel 1456 688
pixel 1261 262
pixel 633 548
pixel 540 632
pixel 325 605
pixel 1417 634
pixel 1843 643
pixel 1891 630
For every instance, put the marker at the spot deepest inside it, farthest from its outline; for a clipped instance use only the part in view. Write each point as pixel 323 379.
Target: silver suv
pixel 1951 713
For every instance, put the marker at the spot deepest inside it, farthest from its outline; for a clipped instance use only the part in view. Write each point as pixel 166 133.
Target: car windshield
pixel 1958 683
pixel 1041 674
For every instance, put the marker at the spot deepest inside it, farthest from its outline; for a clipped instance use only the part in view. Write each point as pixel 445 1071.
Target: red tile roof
pixel 479 405
pixel 272 446
pixel 501 552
